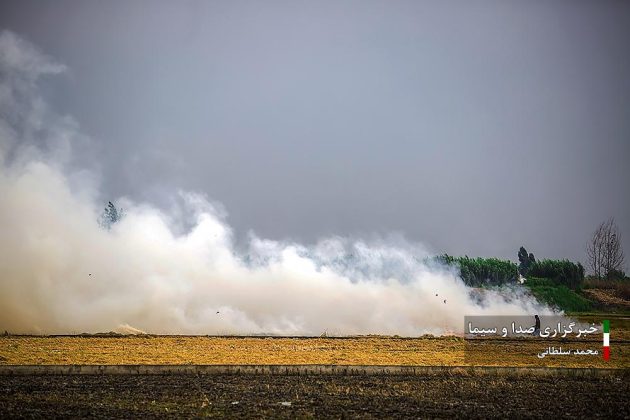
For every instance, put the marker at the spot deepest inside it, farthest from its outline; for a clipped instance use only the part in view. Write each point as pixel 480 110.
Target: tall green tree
pixel 525 261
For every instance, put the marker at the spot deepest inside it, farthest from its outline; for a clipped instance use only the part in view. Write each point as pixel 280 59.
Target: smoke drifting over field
pixel 60 272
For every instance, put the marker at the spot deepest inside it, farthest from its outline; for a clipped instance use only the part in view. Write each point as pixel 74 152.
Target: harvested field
pixel 443 351
pixel 439 395
pixel 607 298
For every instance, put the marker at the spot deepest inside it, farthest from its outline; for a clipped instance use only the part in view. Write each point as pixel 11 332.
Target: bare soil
pixel 322 396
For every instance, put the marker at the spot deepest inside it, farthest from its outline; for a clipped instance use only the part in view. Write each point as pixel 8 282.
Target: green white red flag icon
pixel 606 328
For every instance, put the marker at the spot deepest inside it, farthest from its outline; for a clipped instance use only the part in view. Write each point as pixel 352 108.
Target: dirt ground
pixel 321 396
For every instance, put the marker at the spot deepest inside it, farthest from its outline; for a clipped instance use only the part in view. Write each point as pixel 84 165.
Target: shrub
pixel 482 271
pixel 615 275
pixel 562 272
pixel 558 295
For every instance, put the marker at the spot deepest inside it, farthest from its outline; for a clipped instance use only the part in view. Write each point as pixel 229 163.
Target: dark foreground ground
pixel 443 395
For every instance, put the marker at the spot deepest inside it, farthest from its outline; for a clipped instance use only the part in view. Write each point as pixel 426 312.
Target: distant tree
pixel 525 260
pixel 604 250
pixel 110 216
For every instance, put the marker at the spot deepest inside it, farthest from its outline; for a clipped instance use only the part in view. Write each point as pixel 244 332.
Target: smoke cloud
pixel 178 270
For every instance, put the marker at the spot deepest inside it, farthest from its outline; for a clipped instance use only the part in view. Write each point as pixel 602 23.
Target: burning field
pixel 310 317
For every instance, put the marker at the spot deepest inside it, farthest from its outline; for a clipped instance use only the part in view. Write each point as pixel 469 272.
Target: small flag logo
pixel 606 328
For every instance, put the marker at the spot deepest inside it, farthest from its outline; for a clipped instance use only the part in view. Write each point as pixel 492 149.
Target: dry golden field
pixel 365 350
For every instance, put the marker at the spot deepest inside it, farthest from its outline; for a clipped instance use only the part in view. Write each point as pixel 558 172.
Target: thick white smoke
pixel 60 272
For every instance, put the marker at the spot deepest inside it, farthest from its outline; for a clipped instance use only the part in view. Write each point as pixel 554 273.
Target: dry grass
pixel 447 351
pixel 606 297
pixel 618 288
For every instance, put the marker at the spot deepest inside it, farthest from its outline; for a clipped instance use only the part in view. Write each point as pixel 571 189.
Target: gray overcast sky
pixel 473 127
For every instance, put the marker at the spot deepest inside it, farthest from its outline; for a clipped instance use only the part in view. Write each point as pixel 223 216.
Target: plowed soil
pixel 320 396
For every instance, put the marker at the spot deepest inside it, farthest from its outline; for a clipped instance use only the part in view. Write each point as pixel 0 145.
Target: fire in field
pixel 421 214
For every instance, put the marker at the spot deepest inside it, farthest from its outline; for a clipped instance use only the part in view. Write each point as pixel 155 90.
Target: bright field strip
pixel 364 350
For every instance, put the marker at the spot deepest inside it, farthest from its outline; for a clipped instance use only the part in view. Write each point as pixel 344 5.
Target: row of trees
pixel 561 272
pixel 605 255
pixel 482 271
pixel 494 272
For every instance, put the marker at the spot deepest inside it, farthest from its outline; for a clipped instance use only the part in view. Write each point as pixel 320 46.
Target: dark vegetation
pixel 562 284
pixel 557 295
pixel 525 260
pixel 479 272
pixel 561 272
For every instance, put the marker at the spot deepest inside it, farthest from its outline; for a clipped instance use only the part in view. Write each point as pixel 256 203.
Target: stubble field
pixel 367 350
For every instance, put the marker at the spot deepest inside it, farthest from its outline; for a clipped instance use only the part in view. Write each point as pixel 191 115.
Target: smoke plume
pixel 61 272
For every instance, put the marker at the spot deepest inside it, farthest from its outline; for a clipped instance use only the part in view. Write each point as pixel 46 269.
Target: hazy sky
pixel 473 127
